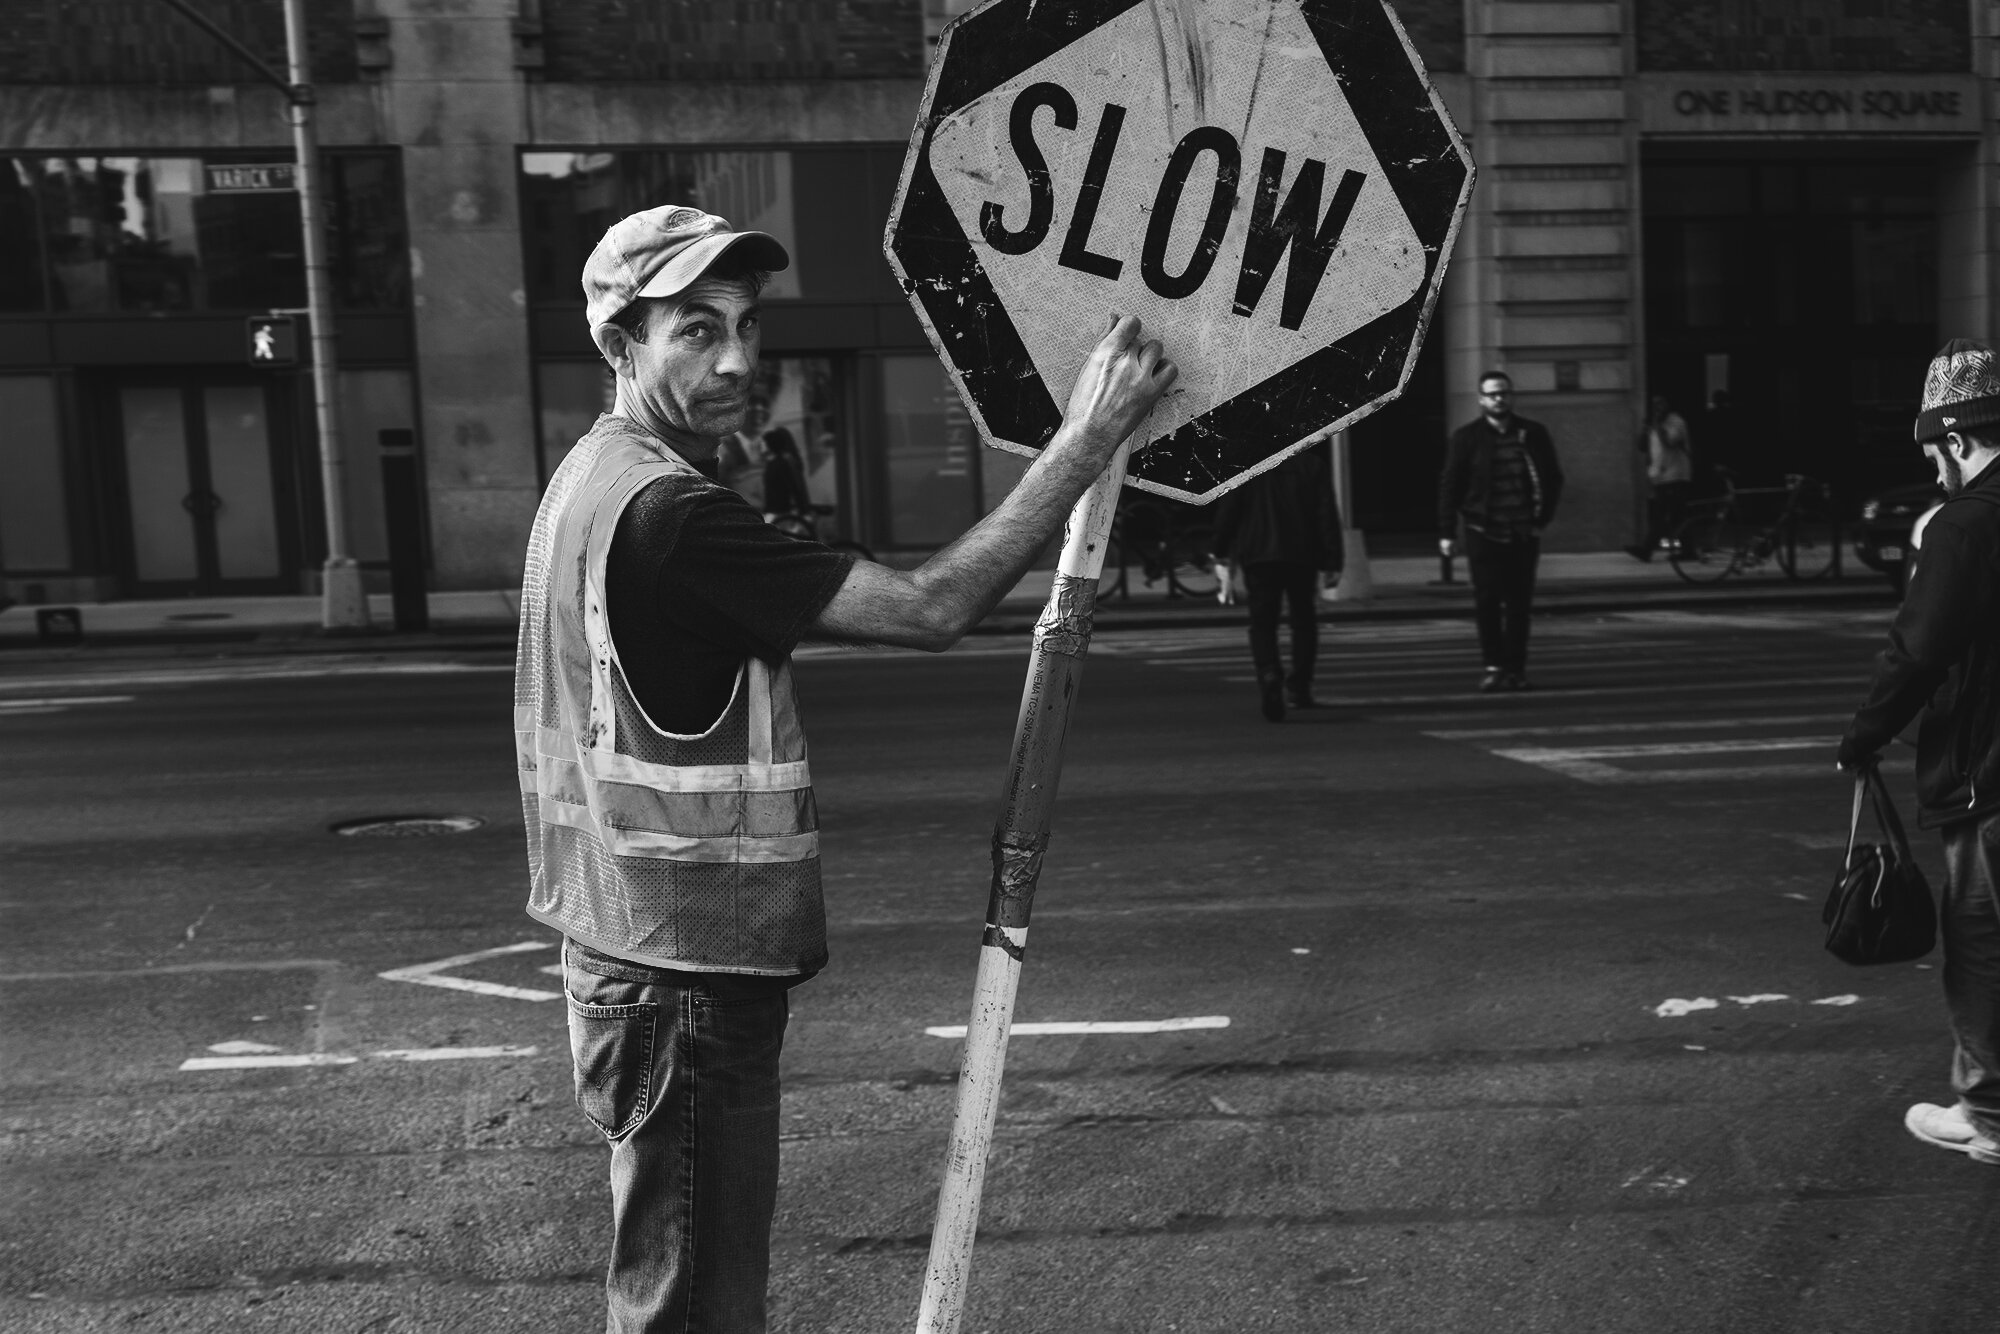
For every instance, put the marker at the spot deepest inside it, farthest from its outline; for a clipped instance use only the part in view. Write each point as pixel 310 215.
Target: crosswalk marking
pixel 1651 725
pixel 14 708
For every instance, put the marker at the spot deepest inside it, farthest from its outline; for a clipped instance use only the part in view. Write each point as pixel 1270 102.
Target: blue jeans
pixel 680 1073
pixel 1969 923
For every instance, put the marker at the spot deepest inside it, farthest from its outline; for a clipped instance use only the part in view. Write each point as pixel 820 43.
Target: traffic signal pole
pixel 343 603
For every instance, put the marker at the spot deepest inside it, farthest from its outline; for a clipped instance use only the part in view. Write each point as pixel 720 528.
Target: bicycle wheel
pixel 1191 564
pixel 1806 546
pixel 1707 548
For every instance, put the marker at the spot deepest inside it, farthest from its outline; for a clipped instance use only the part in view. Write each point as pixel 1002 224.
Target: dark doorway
pixel 1397 453
pixel 1791 306
pixel 204 502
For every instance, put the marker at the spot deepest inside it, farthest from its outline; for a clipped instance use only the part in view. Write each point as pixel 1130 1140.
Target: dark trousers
pixel 1664 509
pixel 1270 583
pixel 1503 596
pixel 680 1072
pixel 1969 922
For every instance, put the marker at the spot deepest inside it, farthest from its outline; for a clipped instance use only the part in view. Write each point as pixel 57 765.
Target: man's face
pixel 1496 397
pixel 1950 475
pixel 699 357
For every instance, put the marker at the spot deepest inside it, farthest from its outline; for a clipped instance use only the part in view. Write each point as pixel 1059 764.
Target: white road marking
pixel 55 702
pixel 239 1047
pixel 1727 746
pixel 1661 725
pixel 452 1053
pixel 1565 694
pixel 1848 999
pixel 265 1062
pixel 432 974
pixel 1761 998
pixel 1816 843
pixel 264 1059
pixel 1676 1008
pixel 257 673
pixel 1096 1026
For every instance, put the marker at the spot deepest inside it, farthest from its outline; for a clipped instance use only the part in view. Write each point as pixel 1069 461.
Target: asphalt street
pixel 1528 1027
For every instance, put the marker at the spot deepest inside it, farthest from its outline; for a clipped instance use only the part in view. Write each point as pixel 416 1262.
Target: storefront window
pixel 34 508
pixel 842 191
pixel 573 198
pixel 795 409
pixel 20 247
pixel 159 234
pixel 932 454
pixel 572 395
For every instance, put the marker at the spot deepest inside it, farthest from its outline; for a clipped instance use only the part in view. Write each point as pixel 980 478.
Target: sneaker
pixel 1493 679
pixel 1271 692
pixel 1301 699
pixel 1518 681
pixel 1949 1128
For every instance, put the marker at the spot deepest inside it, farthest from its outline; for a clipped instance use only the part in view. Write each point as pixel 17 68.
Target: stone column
pixel 456 103
pixel 1555 280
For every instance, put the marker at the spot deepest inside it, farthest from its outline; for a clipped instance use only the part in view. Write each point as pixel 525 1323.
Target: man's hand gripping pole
pixel 1062 638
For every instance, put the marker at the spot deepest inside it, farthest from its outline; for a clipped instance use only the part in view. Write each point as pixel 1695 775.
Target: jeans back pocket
pixel 612 1047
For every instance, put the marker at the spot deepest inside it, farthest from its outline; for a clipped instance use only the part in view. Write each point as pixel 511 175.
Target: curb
pixel 1554 600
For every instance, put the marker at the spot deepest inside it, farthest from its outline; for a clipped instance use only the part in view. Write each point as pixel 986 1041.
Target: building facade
pixel 1770 212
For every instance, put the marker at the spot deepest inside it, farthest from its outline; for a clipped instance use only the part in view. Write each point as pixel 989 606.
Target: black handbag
pixel 1880 909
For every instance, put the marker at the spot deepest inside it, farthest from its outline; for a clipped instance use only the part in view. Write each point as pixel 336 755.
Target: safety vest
pixel 690 852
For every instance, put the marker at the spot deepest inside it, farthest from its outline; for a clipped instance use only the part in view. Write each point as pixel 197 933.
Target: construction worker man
pixel 672 836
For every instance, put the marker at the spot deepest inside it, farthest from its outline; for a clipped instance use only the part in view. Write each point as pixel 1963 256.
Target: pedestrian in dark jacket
pixel 1283 529
pixel 1500 483
pixel 1943 660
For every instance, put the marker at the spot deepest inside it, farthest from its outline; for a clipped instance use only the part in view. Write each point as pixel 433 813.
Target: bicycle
pixel 1170 541
pixel 807 524
pixel 1724 538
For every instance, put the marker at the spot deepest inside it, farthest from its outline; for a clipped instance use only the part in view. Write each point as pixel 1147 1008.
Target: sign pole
pixel 1020 837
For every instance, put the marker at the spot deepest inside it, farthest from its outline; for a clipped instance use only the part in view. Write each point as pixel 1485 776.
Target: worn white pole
pixel 1062 638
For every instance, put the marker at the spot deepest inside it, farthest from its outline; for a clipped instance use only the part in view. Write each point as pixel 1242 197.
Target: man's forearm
pixel 932 606
pixel 966 578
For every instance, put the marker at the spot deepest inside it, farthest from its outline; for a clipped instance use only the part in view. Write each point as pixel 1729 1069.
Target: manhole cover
pixel 407 826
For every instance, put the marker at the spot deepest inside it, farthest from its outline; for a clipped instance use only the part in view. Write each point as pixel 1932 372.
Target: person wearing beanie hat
pixel 1942 660
pixel 672 832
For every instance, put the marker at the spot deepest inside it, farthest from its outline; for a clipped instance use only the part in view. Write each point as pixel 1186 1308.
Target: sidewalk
pixel 1404 588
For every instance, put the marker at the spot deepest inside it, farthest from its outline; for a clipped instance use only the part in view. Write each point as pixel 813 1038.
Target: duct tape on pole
pixel 1272 187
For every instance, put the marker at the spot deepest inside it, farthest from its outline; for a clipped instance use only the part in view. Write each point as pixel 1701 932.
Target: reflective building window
pixel 144 235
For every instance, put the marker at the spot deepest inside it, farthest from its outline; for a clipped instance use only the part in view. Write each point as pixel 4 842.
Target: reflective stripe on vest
pixel 628 825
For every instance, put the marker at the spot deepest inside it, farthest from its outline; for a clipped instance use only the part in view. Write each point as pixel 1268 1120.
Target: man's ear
pixel 616 345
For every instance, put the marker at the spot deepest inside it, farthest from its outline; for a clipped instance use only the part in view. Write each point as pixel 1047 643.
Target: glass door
pixel 203 489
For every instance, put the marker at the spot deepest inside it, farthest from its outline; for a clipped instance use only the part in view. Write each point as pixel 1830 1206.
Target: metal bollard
pixel 403 511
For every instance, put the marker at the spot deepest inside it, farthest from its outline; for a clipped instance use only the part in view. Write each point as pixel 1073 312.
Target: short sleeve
pixel 742 585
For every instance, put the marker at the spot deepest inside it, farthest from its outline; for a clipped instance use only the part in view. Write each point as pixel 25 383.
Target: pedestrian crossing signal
pixel 272 340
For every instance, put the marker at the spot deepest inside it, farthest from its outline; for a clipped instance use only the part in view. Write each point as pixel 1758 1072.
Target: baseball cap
pixel 1961 391
pixel 662 252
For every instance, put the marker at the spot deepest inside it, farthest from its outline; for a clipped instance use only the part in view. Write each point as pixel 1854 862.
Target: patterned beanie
pixel 1961 391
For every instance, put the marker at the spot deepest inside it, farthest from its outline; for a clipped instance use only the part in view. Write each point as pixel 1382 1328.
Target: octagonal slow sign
pixel 1271 186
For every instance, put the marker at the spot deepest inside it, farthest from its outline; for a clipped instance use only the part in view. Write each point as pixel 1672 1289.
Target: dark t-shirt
pixel 696 582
